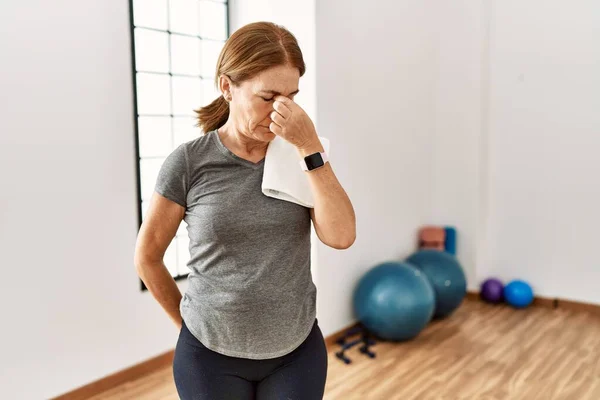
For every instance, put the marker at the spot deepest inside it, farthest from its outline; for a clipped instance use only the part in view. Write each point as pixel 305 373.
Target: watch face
pixel 314 161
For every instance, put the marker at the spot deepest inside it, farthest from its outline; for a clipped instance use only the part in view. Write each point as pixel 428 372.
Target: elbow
pixel 144 262
pixel 141 263
pixel 346 243
pixel 348 237
pixel 138 257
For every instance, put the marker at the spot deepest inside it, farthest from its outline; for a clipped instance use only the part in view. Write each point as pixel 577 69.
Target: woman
pixel 248 327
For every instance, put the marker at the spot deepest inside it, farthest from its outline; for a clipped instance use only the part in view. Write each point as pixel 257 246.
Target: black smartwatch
pixel 313 161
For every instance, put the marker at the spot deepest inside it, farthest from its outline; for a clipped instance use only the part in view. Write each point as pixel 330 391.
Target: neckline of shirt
pixel 232 155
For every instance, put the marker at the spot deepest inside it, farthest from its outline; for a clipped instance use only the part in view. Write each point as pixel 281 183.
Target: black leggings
pixel 202 374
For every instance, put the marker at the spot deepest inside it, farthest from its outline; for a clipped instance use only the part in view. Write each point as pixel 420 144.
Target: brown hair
pixel 251 49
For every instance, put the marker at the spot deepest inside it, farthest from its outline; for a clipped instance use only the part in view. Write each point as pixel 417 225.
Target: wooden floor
pixel 481 352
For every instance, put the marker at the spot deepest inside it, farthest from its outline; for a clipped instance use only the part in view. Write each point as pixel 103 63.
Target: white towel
pixel 283 178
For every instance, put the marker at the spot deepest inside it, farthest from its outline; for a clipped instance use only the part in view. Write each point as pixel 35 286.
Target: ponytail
pixel 214 115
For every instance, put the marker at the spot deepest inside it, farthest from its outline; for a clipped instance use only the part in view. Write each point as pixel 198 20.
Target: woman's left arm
pixel 333 215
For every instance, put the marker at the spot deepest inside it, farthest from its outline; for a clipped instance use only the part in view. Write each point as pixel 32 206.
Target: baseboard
pixel 473 295
pixel 579 306
pixel 119 378
pixel 552 303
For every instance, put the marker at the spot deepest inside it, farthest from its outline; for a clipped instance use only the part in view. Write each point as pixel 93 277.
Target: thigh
pixel 201 374
pixel 302 376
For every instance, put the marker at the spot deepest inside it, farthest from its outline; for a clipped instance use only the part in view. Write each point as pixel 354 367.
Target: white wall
pixel 544 133
pixel 375 102
pixel 509 132
pixel 459 29
pixel 72 311
pixel 516 132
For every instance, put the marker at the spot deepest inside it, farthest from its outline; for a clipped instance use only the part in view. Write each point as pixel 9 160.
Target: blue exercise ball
pixel 518 294
pixel 446 277
pixel 394 301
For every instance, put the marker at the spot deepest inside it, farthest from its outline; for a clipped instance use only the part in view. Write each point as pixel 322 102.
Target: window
pixel 175 46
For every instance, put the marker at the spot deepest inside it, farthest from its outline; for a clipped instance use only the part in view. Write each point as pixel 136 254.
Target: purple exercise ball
pixel 492 290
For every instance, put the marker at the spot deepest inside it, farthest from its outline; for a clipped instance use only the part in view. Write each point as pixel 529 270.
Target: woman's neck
pixel 240 143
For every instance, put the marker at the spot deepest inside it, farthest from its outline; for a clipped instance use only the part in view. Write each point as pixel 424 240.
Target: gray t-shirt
pixel 250 291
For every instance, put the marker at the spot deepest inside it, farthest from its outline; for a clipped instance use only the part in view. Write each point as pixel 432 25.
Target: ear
pixel 225 85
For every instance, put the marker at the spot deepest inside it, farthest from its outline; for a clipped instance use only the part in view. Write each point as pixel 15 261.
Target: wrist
pixel 311 148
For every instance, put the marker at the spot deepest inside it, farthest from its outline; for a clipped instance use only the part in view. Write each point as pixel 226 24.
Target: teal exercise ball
pixel 447 277
pixel 394 301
